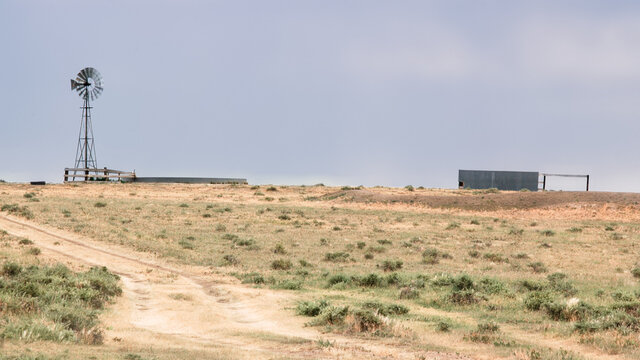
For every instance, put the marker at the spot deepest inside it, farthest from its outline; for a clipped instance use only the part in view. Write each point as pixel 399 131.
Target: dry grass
pixel 339 250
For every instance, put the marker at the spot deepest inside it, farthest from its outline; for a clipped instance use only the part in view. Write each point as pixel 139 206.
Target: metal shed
pixel 502 180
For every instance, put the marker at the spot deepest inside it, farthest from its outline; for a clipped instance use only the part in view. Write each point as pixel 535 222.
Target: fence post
pixel 587 182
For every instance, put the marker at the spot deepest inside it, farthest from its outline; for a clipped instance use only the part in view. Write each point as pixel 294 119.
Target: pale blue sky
pixel 340 92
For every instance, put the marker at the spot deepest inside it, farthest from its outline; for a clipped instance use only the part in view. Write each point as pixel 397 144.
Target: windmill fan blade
pixel 88 83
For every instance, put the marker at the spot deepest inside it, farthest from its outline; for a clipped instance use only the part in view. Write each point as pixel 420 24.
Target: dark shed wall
pixel 502 180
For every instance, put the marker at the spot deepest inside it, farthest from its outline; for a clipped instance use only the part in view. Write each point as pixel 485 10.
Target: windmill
pixel 88 84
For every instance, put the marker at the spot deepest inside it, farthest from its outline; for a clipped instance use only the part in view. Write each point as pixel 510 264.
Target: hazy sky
pixel 340 92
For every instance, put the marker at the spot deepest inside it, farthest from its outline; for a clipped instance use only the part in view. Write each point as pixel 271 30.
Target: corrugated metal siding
pixel 502 180
pixel 190 180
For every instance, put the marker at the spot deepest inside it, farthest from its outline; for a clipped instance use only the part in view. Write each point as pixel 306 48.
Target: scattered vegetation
pixel 382 265
pixel 17 210
pixel 281 264
pixel 53 303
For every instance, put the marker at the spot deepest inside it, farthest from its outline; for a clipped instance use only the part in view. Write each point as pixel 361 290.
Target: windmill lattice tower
pixel 88 84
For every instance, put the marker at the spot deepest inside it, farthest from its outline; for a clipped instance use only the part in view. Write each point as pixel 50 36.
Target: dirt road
pixel 195 310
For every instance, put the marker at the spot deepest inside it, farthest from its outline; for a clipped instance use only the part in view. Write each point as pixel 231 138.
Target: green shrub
pixel 636 272
pixel 365 321
pixel 384 242
pixel 492 286
pixel 370 280
pixel 409 188
pixel 245 242
pixel 361 244
pixel 516 232
pixel 279 249
pixel 548 232
pixel 281 264
pixel 376 249
pixel 538 267
pixel 496 258
pixel 338 279
pixel 221 227
pixel 289 285
pixel 442 279
pixel 409 292
pixel 25 241
pixel 443 326
pixel 432 256
pixel 253 278
pixel 102 204
pixel 536 300
pixel 532 285
pixel 453 225
pixel 464 297
pixel 485 333
pixel 305 263
pixel 14 209
pixel 463 282
pixel 336 257
pixel 232 237
pixel 558 282
pixel 53 303
pixel 34 251
pixel 311 308
pixel 556 311
pixel 185 244
pixel 391 265
pixel 229 259
pixel 11 269
pixel 488 327
pixel 386 309
pixel 331 315
pixel 392 279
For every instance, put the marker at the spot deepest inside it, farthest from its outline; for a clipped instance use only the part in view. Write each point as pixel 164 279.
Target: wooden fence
pixel 81 174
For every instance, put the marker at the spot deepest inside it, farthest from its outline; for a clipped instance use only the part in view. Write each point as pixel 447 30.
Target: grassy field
pixel 550 283
pixel 42 301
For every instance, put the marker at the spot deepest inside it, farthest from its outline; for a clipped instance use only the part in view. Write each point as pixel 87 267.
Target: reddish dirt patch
pixel 478 201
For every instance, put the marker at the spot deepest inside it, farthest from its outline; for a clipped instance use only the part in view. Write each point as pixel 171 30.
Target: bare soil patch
pixel 481 201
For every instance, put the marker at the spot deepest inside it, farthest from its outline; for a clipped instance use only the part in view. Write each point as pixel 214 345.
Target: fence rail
pixel 70 174
pixel 544 178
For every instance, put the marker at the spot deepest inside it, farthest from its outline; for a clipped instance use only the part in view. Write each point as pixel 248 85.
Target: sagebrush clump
pixel 54 303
